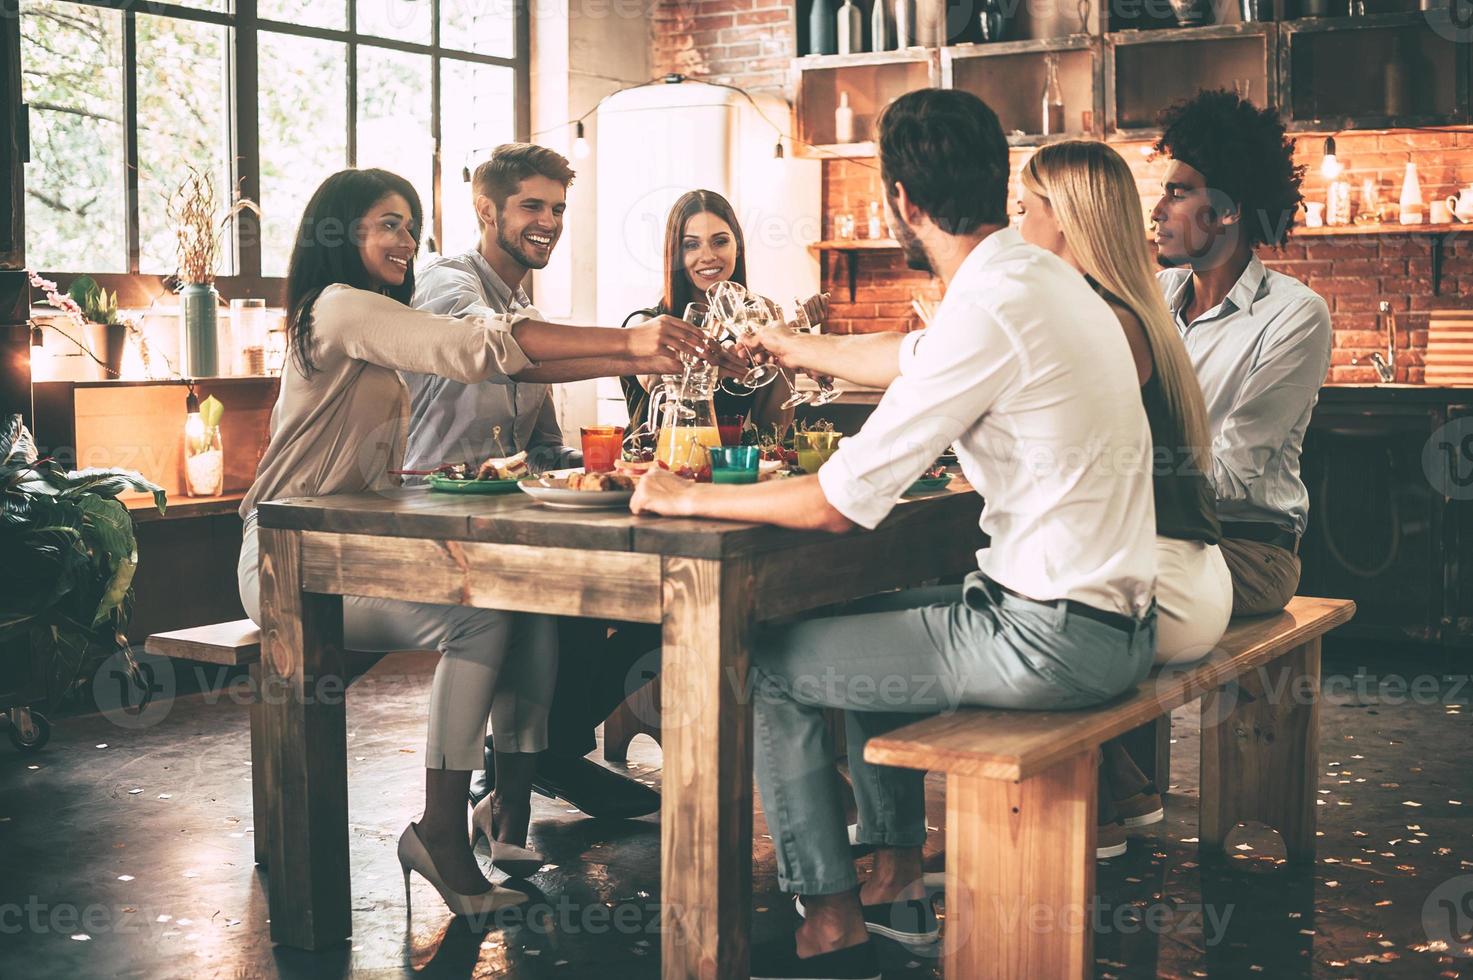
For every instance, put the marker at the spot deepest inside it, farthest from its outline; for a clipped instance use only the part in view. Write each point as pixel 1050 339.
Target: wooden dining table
pixel 708 583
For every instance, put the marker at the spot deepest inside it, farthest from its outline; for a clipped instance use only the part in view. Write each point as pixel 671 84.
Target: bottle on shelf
pixel 1411 197
pixel 843 120
pixel 1053 98
pixel 821 29
pixel 851 28
pixel 1337 202
pixel 1395 81
pixel 876 223
pixel 930 18
pixel 905 35
pixel 881 36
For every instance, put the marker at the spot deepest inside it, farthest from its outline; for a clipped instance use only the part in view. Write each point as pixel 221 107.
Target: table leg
pixel 304 749
pixel 1261 760
pixel 1020 874
pixel 706 785
pixel 259 777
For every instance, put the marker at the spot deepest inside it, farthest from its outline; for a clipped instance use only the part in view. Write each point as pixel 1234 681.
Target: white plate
pixel 558 495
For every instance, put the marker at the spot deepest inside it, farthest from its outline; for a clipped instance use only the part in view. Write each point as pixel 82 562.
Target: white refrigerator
pixel 659 141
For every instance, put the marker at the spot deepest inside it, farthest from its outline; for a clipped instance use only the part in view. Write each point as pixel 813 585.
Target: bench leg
pixel 1260 753
pixel 260 839
pixel 1020 874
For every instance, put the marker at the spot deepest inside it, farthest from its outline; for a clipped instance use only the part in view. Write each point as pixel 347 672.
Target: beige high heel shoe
pixel 518 862
pixel 414 857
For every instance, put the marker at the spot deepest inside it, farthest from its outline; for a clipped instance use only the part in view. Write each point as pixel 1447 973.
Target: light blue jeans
pixel 887 661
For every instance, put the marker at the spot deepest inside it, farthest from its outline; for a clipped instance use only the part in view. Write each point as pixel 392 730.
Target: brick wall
pixel 749 43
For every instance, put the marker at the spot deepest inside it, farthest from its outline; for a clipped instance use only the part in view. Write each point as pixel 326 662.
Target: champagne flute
pixel 769 313
pixel 803 322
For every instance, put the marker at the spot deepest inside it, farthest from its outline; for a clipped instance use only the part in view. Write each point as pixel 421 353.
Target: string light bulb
pixel 38 338
pixel 580 142
pixel 1330 167
pixel 777 150
pixel 194 426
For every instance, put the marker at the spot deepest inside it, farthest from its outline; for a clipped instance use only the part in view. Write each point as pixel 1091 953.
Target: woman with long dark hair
pixel 703 246
pixel 340 425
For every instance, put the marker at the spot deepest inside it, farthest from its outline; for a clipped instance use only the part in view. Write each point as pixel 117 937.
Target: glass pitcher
pixel 683 414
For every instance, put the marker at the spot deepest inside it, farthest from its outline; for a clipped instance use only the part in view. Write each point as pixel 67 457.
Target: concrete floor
pixel 127 853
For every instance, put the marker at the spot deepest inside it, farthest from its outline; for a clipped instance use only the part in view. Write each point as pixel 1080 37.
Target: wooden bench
pixel 236 644
pixel 229 645
pixel 1021 788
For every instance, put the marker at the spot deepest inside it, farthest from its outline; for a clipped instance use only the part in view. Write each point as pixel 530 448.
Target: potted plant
pixel 100 309
pixel 66 584
pixel 192 208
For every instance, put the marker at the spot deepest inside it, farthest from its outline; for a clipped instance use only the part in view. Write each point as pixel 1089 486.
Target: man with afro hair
pixel 1259 340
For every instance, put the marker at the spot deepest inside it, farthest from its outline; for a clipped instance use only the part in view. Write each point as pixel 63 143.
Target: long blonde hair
pixel 1094 198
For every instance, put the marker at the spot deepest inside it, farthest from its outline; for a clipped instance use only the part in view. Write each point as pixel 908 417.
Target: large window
pixel 266 96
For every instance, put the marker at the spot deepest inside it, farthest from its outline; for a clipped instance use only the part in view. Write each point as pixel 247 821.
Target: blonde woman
pixel 1079 201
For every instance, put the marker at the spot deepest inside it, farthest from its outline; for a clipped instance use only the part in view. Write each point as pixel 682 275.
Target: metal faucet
pixel 1386 366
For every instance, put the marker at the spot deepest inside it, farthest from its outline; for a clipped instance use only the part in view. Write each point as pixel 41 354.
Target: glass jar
pixel 204 459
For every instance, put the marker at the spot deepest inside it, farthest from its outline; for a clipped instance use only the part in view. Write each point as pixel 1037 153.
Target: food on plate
pixel 507 468
pixel 935 472
pixel 600 481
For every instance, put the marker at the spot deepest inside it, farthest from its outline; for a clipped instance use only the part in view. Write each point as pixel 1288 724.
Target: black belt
pixel 1123 623
pixel 1262 533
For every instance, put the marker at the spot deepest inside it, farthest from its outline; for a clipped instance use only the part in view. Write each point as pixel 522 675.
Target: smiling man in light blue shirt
pixel 520 195
pixel 1259 340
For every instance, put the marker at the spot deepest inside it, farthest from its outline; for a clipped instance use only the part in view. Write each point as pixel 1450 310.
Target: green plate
pixel 930 486
pixel 444 485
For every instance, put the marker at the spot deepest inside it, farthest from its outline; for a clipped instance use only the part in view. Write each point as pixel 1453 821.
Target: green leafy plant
pixel 97 304
pixel 66 581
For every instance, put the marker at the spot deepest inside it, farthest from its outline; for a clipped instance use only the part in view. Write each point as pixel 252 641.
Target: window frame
pixel 138 289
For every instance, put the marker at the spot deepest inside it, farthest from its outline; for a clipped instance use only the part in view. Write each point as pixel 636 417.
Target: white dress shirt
pixel 1027 373
pixel 1261 356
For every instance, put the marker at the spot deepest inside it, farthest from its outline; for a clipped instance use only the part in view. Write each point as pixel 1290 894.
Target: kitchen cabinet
pixel 1380 531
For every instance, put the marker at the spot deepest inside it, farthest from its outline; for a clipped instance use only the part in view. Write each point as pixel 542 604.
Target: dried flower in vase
pixel 192 209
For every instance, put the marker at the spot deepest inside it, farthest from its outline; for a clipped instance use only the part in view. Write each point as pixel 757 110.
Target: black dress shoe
pixel 597 791
pixel 780 961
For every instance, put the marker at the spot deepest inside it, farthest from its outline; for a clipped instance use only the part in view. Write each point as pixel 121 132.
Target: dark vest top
pixel 1186 504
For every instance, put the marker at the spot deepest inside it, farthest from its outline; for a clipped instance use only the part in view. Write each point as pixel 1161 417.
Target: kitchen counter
pixel 1403 394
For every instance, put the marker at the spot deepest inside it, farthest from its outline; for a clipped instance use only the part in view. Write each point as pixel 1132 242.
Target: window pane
pixel 312 13
pixel 394 117
pixel 183 122
pixel 304 133
pixel 477 114
pixel 482 26
pixel 72 76
pixel 402 20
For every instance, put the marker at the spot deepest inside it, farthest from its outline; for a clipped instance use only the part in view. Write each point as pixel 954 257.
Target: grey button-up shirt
pixel 1261 356
pixel 452 422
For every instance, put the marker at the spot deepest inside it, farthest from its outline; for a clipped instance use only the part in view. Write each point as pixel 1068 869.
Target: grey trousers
pixel 888 661
pixel 494 663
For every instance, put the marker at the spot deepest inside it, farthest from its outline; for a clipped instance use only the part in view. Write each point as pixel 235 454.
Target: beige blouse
pixel 344 428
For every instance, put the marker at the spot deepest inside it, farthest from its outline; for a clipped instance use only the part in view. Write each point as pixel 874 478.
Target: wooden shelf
pixel 143 510
pixel 863 150
pixel 1338 231
pixel 1435 234
pixel 855 245
pixel 850 249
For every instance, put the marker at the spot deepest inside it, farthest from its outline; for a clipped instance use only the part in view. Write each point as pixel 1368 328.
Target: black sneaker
pixel 780 961
pixel 911 922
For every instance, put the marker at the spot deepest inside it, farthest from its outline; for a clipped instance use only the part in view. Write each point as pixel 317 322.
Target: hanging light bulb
pixel 580 142
pixel 38 338
pixel 777 151
pixel 1330 167
pixel 194 426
